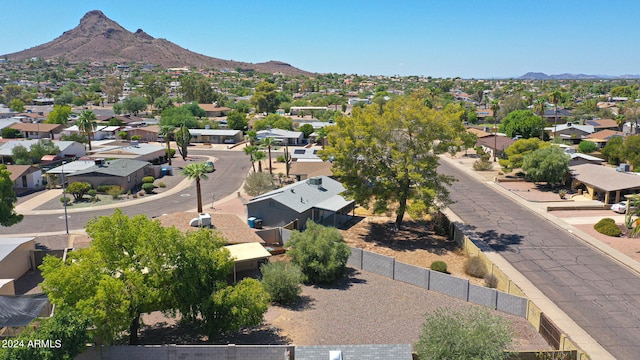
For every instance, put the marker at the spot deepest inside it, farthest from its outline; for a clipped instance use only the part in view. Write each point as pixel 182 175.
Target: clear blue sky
pixel 439 38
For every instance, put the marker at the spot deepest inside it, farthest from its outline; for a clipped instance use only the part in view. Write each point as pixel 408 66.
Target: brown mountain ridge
pixel 98 38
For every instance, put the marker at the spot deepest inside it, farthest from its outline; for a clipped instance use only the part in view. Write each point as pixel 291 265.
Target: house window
pixel 129 178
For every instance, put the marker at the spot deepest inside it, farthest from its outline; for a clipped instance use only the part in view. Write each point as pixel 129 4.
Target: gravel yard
pixel 369 309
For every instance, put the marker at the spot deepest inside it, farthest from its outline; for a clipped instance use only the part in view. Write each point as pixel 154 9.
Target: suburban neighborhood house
pixel 285 137
pixel 317 199
pixel 15 261
pixel 122 172
pixel 132 151
pixel 25 178
pixel 604 183
pixel 216 136
pixel 66 149
pixel 38 131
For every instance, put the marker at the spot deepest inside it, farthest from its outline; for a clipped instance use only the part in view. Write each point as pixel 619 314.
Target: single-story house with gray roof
pixel 317 199
pixel 604 183
pixel 282 136
pixel 132 151
pixel 15 260
pixel 122 172
pixel 216 136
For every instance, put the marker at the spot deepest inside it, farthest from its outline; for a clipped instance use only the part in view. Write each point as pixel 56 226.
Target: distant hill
pixel 543 76
pixel 98 38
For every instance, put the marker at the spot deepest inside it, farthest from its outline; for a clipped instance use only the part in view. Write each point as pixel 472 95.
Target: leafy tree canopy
pixel 134 105
pixel 237 120
pixel 178 116
pixel 631 150
pixel 59 115
pixel 264 98
pixel 8 199
pixel 134 266
pixel 549 164
pixel 614 150
pixel 516 152
pixel 391 159
pixel 522 122
pixel 274 121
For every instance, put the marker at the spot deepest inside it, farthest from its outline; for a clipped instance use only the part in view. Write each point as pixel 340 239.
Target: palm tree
pixel 495 106
pixel 259 156
pixel 197 171
pixel 539 108
pixel 166 131
pixel 86 124
pixel 267 142
pixel 555 98
pixel 251 151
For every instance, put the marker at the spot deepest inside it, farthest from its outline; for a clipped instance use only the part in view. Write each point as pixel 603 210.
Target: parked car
pixel 209 166
pixel 621 207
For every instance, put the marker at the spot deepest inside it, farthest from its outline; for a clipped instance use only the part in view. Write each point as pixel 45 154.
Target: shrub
pixel 562 193
pixel 136 137
pixel 282 280
pixel 439 266
pixel 115 191
pixel 607 226
pixel 471 333
pixel 440 224
pixel 169 153
pixel 320 252
pixel 483 164
pixel 103 188
pixel 162 184
pixel 475 267
pixel 78 189
pixel 280 158
pixel 258 183
pixel 148 188
pixel 490 281
pixel 93 193
pixel 65 200
pixel 148 180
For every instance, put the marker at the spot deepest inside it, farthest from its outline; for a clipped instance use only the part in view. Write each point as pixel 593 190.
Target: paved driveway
pixel 600 295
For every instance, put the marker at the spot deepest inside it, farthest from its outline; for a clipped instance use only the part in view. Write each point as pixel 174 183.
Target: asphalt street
pixel 597 292
pixel 231 169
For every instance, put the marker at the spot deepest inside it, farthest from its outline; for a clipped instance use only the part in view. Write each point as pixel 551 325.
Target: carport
pixel 247 257
pixel 604 183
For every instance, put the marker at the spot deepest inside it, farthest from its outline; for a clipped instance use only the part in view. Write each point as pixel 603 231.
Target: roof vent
pixel 315 181
pixel 335 355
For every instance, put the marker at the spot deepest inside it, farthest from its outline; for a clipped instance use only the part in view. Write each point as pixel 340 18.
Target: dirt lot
pixel 415 244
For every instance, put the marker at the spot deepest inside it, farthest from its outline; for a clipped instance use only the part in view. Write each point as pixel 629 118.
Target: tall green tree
pixel 183 137
pixel 522 122
pixel 268 142
pixel 178 116
pixel 614 150
pixel 162 103
pixel 166 131
pixel 555 97
pixel 273 121
pixel 113 87
pixel 495 106
pixel 549 164
pixel 197 171
pixel 17 105
pixel 517 151
pixel 59 115
pixel 8 199
pixel 264 98
pixel 631 150
pixel 87 124
pixel 251 151
pixel 539 107
pixel 237 120
pixel 134 105
pixel 122 275
pixel 393 158
pixel 154 87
